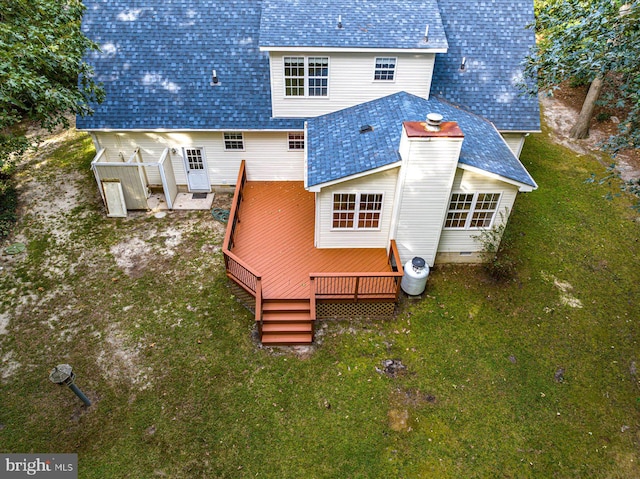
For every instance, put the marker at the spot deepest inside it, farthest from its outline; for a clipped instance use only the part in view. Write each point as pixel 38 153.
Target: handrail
pixel 360 285
pixel 238 270
pixel 227 244
pixel 394 257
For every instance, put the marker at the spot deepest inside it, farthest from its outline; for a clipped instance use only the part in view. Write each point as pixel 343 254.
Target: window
pixel 474 210
pixel 385 69
pixel 365 207
pixel 294 76
pixel 194 158
pixel 233 141
pixel 306 76
pixel 296 141
pixel 318 76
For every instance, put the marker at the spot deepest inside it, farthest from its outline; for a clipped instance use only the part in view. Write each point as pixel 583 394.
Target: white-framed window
pixel 296 140
pixel 385 69
pixel 472 210
pixel 357 210
pixel 195 159
pixel 294 76
pixel 233 141
pixel 306 76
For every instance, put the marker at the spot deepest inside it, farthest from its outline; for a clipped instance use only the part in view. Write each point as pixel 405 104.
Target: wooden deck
pixel 275 238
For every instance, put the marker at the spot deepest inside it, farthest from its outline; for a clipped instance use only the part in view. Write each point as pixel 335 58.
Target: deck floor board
pixel 275 237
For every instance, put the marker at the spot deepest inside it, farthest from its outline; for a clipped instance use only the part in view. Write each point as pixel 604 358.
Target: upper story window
pixel 233 141
pixel 472 210
pixel 357 210
pixel 296 141
pixel 385 69
pixel 306 76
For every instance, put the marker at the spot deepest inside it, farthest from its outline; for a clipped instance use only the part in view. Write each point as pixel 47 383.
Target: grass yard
pixel 532 378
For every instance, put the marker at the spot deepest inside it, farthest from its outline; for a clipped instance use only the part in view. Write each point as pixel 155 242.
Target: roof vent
pixel 426 34
pixel 433 121
pixel 339 21
pixel 463 64
pixel 214 77
pixel 366 128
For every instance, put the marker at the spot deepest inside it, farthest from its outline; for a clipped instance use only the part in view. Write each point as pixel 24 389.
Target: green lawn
pixel 181 390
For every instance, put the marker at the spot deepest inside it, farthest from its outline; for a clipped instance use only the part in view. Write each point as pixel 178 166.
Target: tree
pixel 42 78
pixel 42 73
pixel 596 42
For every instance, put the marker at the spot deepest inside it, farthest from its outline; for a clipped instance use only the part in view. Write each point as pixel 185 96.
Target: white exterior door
pixel 196 166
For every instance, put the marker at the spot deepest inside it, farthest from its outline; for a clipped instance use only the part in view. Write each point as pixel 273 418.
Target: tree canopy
pixel 42 73
pixel 591 41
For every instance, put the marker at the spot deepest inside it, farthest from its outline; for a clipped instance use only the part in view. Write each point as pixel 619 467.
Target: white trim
pixel 305 78
pixel 520 131
pixel 318 187
pixel 522 187
pixel 225 140
pixel 305 170
pixel 289 140
pixel 357 211
pixel 471 211
pixel 395 69
pixel 352 50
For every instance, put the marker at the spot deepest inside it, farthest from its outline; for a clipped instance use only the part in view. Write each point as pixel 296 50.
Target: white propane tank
pixel 414 280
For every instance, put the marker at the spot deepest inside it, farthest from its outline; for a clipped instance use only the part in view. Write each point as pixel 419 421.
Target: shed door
pixel 196 166
pixel 114 198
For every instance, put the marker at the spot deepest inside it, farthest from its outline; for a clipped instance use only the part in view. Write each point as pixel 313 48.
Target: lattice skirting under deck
pixel 243 297
pixel 355 310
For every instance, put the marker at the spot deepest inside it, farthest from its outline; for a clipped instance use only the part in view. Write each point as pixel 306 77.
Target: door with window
pixel 196 166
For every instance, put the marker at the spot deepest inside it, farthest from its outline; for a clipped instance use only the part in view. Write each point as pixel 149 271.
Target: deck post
pixel 355 293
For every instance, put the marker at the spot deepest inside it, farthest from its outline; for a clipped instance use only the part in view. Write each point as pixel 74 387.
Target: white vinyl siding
pixel 383 183
pixel 351 82
pixel 461 240
pixel 267 154
pixel 429 170
pixel 515 142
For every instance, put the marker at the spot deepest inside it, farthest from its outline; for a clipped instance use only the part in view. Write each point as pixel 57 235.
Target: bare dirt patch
pixel 560 112
pixel 59 304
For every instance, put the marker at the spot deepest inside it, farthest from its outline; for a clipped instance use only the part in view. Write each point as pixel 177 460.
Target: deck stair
pixel 286 322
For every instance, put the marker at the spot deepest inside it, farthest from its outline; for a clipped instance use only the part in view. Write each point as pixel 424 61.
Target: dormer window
pixel 385 69
pixel 306 76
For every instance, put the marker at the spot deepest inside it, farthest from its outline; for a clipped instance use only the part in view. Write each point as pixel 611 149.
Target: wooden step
pixel 286 322
pixel 287 339
pixel 278 316
pixel 298 327
pixel 284 305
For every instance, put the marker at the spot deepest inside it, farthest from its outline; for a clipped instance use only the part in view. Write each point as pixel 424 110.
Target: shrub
pixel 496 250
pixel 8 201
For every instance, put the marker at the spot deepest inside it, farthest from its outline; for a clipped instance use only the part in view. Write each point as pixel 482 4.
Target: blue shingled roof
pixel 336 149
pixel 491 35
pixel 157 59
pixel 365 24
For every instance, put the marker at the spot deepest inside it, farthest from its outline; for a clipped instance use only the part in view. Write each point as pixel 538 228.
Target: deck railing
pixel 238 271
pixel 359 286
